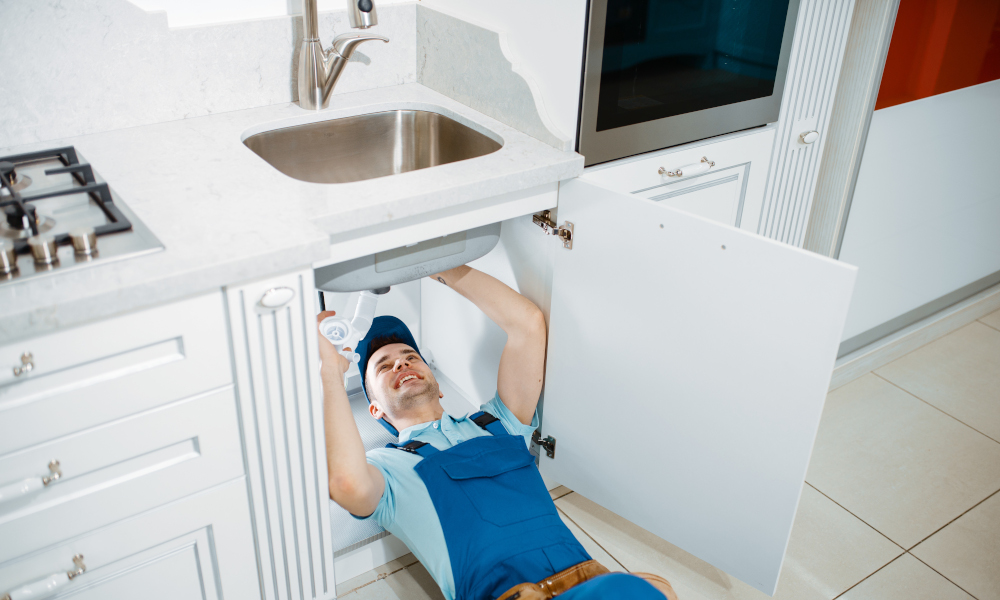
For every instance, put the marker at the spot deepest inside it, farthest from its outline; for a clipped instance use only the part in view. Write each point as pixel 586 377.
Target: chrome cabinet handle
pixel 699 167
pixel 47 586
pixel 30 485
pixel 26 366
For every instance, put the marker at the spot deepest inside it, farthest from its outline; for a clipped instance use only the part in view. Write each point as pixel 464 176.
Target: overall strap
pixel 422 449
pixel 489 423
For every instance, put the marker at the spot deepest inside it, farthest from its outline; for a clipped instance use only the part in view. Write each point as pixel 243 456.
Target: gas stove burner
pixel 15 181
pixel 17 225
pixel 58 214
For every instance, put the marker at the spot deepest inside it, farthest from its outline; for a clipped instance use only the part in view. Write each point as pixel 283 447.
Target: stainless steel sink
pixel 369 146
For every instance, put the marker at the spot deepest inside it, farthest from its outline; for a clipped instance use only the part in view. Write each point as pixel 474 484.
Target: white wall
pixel 926 210
pixel 73 68
pixel 545 39
pixel 188 13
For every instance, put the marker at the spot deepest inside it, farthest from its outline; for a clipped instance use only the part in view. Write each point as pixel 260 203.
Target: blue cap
pixel 383 327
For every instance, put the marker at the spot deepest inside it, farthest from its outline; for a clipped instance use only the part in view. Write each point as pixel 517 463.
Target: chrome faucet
pixel 320 69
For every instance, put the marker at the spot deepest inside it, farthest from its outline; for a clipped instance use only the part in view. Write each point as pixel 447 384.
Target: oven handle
pixel 688 170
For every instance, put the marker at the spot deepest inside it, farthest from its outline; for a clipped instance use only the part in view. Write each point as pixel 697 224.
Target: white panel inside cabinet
pixel 459 339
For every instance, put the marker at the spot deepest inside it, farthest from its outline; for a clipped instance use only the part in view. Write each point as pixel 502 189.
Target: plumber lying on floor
pixel 464 494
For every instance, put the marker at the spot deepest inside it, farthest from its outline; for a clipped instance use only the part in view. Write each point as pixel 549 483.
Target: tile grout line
pixel 870 574
pixel 909 393
pixel 940 573
pixel 987 324
pixel 590 536
pixel 988 496
pixel 378 577
pixel 860 519
pixel 568 492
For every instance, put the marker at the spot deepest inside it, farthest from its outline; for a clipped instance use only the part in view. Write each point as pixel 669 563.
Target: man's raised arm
pixel 354 484
pixel 522 365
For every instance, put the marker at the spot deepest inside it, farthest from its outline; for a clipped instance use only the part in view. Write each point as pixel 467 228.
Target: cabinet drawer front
pixel 119 469
pixel 730 192
pixel 199 547
pixel 103 371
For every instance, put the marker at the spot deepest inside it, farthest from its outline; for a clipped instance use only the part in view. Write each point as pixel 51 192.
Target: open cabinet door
pixel 687 367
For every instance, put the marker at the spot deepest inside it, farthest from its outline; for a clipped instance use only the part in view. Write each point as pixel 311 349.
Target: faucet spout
pixel 319 69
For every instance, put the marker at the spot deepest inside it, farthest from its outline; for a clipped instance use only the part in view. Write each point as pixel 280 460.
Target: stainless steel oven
pixel 659 73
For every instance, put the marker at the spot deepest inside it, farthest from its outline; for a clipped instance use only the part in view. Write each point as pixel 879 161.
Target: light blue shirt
pixel 406 509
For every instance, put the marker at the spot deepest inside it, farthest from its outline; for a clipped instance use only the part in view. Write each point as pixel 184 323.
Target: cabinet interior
pixel 460 343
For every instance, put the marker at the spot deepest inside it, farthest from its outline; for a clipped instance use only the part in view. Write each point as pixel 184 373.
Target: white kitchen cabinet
pixel 119 469
pixel 692 409
pixel 198 547
pixel 687 367
pixel 109 369
pixel 134 422
pixel 276 361
pixel 730 191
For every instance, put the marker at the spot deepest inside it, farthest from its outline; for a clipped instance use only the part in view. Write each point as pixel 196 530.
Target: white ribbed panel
pixel 276 361
pixel 813 69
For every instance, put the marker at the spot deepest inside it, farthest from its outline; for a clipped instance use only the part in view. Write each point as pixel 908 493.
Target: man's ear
pixel 375 411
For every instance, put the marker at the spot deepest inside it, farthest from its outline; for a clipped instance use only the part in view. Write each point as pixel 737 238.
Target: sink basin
pixel 369 146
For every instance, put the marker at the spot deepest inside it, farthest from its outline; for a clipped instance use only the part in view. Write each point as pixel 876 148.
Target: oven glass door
pixel 650 60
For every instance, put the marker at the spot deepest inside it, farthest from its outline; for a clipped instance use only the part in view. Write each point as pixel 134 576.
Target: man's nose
pixel 400 363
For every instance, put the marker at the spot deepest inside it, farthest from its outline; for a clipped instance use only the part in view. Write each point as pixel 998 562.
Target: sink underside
pixel 369 146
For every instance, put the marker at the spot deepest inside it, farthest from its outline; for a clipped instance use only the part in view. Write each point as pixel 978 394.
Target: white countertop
pixel 226 216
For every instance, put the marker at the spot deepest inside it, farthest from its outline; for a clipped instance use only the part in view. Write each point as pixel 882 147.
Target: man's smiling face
pixel 397 380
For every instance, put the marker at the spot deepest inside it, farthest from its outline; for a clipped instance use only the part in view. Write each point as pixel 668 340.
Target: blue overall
pixel 514 534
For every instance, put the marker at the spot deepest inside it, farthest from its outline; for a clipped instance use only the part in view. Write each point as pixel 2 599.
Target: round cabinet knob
pixel 84 240
pixel 808 137
pixel 43 248
pixel 8 258
pixel 277 297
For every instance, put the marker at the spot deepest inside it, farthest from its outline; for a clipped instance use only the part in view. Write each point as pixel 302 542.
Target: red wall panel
pixel 938 46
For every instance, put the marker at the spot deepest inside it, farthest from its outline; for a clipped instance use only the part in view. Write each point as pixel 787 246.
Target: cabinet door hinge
pixel 548 443
pixel 564 231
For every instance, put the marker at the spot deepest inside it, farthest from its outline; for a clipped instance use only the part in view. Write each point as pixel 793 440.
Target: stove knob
pixel 43 248
pixel 84 240
pixel 8 258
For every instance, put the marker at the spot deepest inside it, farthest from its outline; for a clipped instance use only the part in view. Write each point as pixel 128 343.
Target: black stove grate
pixel 82 172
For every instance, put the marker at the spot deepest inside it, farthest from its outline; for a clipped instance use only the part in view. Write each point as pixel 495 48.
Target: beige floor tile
pixel 559 492
pixel 992 319
pixel 378 572
pixel 968 550
pixel 830 551
pixel 959 373
pixel 412 583
pixel 898 464
pixel 593 548
pixel 906 578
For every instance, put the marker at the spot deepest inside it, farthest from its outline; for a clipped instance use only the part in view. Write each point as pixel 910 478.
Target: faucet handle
pixel 346 43
pixel 361 14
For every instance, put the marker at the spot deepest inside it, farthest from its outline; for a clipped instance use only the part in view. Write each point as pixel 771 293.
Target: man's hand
pixel 334 364
pixel 354 484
